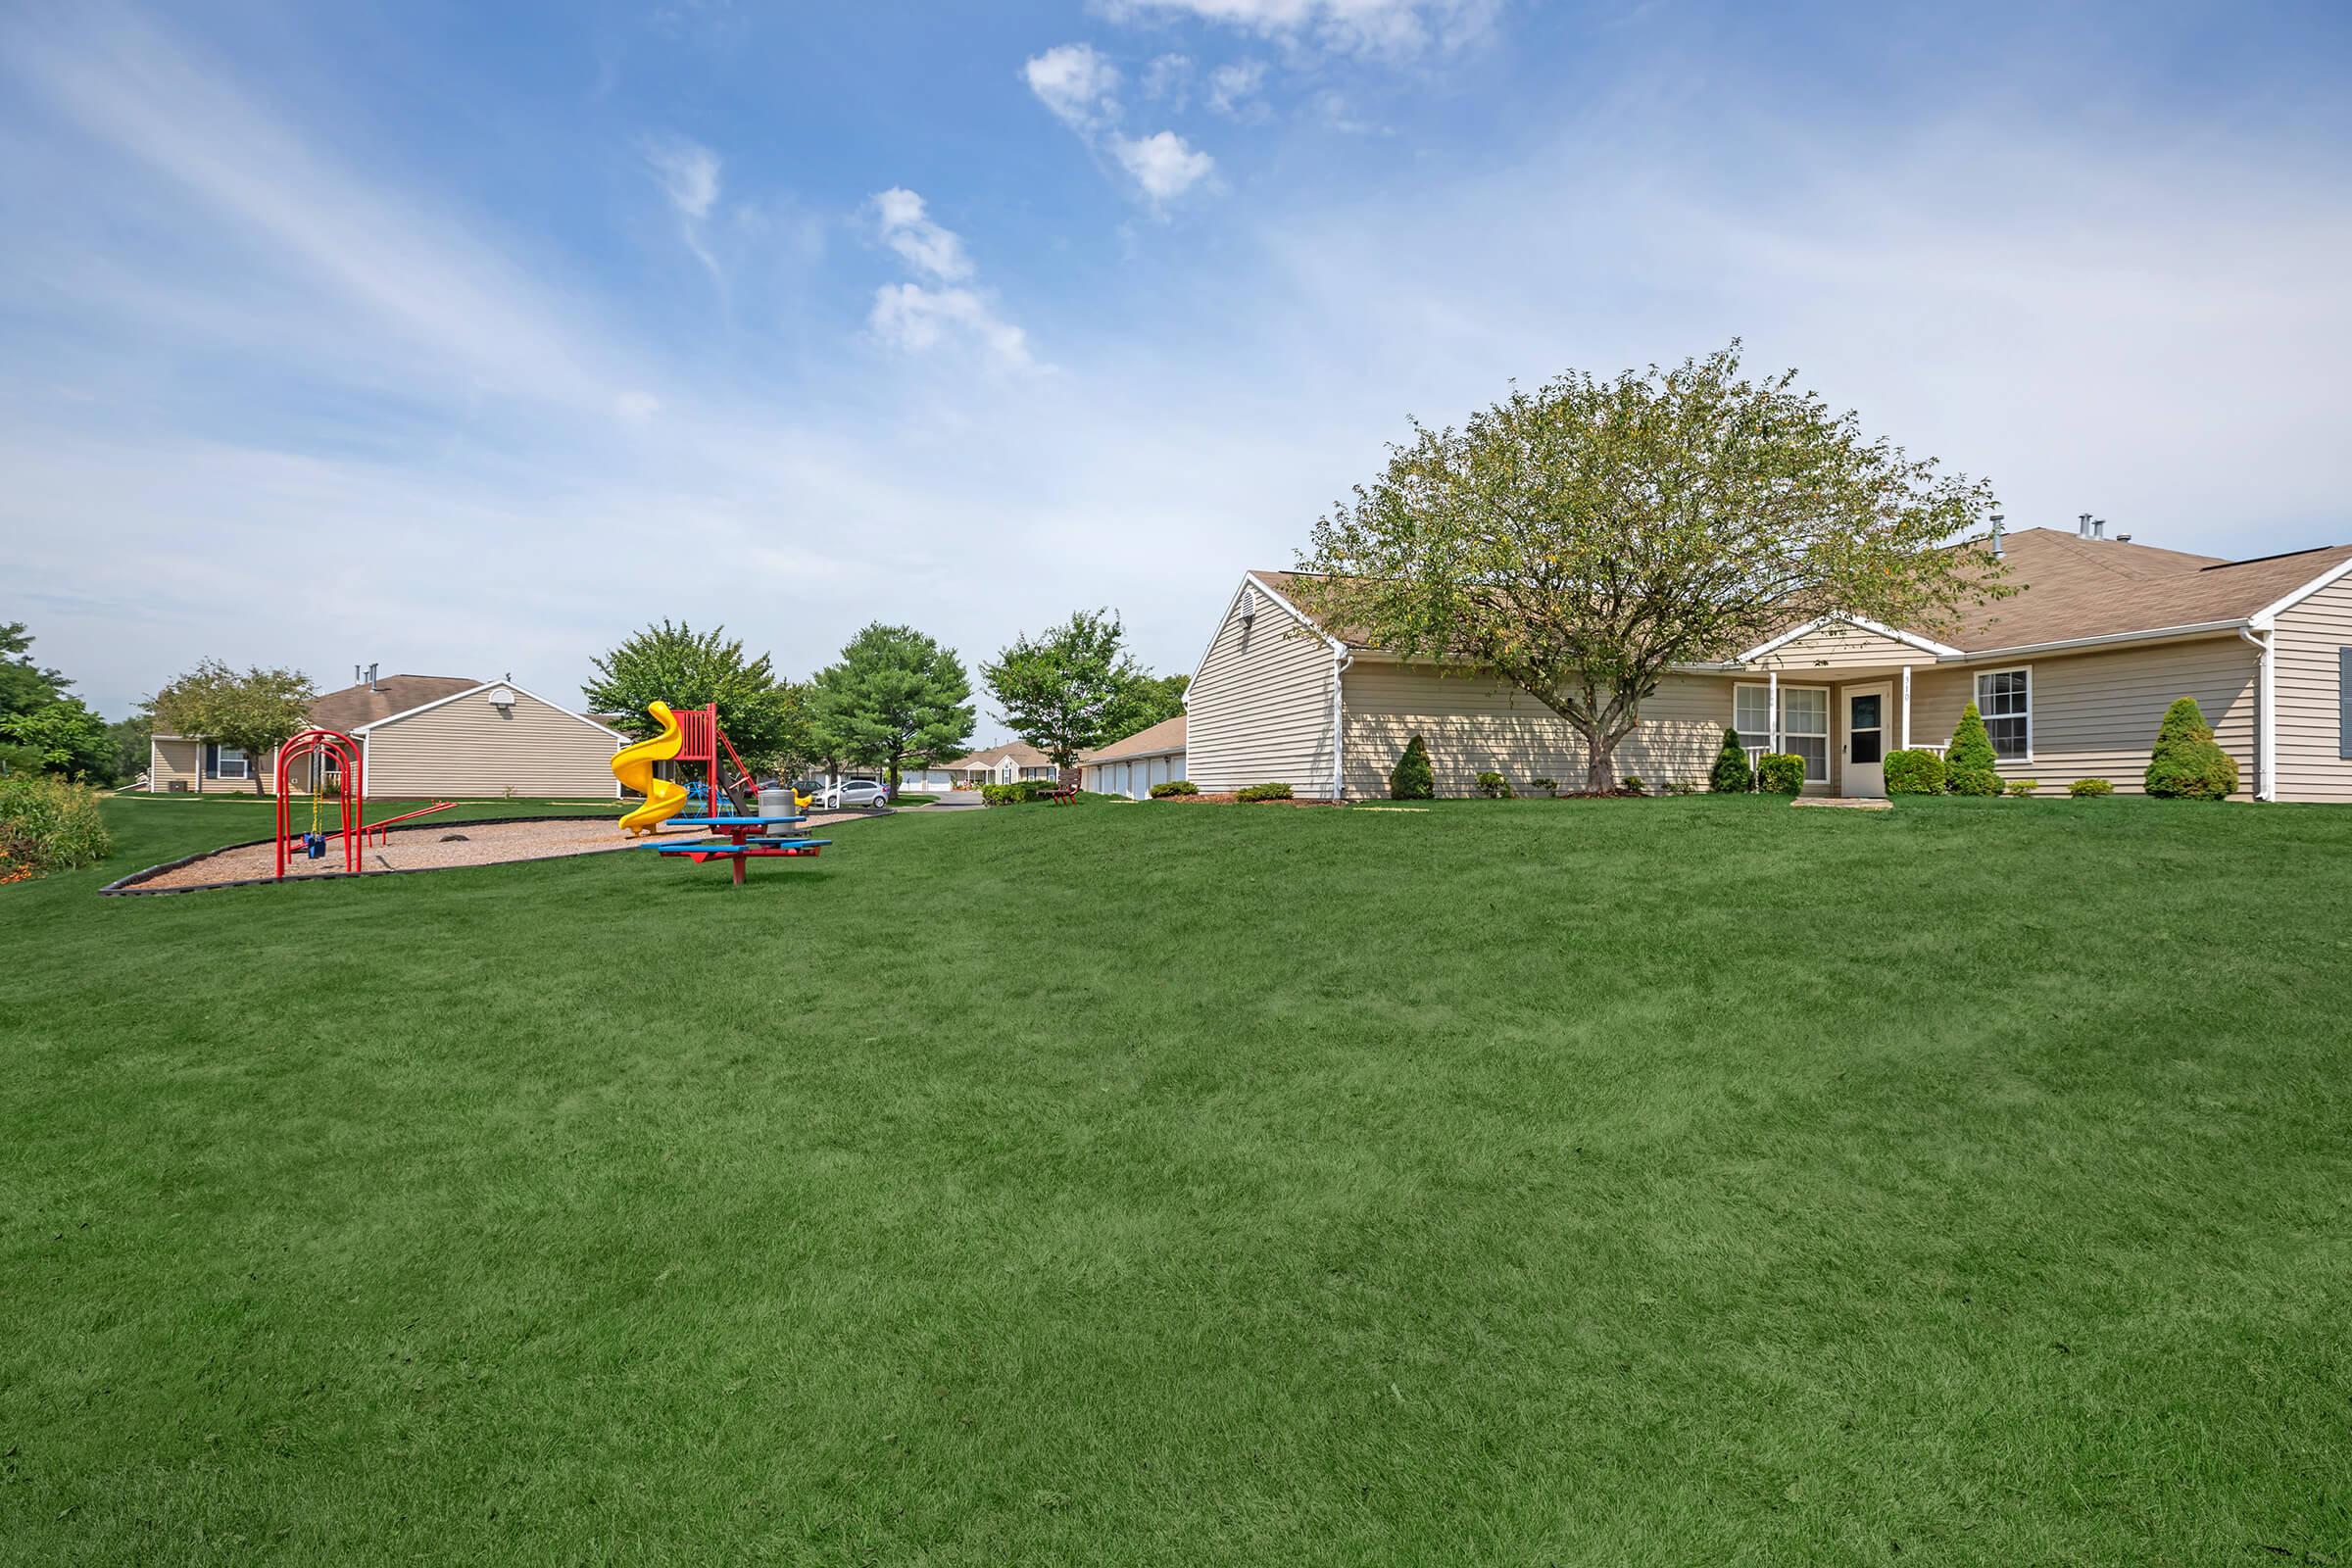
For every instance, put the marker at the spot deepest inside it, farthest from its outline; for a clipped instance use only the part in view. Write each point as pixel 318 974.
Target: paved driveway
pixel 957 801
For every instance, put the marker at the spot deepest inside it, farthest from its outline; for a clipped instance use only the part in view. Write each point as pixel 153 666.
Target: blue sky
pixel 467 338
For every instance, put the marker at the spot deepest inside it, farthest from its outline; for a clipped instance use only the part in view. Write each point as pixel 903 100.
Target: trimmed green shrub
pixel 2187 764
pixel 1174 786
pixel 1914 772
pixel 1968 765
pixel 1263 792
pixel 2082 788
pixel 1494 786
pixel 1545 786
pixel 1632 785
pixel 1412 779
pixel 2023 787
pixel 1732 775
pixel 1020 792
pixel 47 824
pixel 1780 773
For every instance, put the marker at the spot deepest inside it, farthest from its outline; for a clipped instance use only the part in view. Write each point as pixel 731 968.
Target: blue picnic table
pixel 740 838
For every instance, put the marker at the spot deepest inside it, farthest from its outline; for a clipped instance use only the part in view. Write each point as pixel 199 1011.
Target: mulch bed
pixel 1223 798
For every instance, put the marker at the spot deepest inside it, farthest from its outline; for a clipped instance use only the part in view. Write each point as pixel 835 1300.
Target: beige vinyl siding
pixel 1259 709
pixel 2095 714
pixel 1475 722
pixel 1681 731
pixel 1470 720
pixel 466 746
pixel 174 760
pixel 2308 696
pixel 1836 648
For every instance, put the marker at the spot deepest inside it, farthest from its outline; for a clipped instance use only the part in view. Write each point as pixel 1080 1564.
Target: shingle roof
pixel 2074 587
pixel 1024 755
pixel 354 706
pixel 1165 736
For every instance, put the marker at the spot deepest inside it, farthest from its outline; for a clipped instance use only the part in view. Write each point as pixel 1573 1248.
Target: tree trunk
pixel 1601 760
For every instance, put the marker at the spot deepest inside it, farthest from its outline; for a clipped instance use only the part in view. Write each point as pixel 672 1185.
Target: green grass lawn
pixel 1664 1182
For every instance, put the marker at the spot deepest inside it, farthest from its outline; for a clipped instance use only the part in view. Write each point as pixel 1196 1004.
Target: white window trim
pixel 244 771
pixel 1778 722
pixel 1975 692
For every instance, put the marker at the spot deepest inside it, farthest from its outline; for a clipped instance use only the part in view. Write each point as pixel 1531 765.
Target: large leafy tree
pixel 253 711
pixel 43 726
pixel 1147 700
pixel 764 716
pixel 1076 686
pixel 894 696
pixel 1585 539
pixel 127 739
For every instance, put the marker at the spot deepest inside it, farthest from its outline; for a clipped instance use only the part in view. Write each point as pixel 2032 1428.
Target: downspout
pixel 1340 659
pixel 2265 717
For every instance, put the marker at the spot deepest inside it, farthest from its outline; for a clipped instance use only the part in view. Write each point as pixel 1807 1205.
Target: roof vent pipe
pixel 2082 526
pixel 1996 536
pixel 2098 527
pixel 371 681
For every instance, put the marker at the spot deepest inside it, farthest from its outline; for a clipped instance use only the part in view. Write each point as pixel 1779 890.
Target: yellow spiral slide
pixel 633 766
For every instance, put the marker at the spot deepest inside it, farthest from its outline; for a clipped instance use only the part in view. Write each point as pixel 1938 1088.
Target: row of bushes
pixel 1174 786
pixel 1263 792
pixel 47 824
pixel 1020 792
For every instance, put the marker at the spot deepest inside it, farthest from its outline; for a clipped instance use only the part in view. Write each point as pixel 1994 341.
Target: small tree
pixel 1071 689
pixel 894 697
pixel 1967 763
pixel 254 712
pixel 1412 779
pixel 1732 775
pixel 764 715
pixel 1585 539
pixel 2187 764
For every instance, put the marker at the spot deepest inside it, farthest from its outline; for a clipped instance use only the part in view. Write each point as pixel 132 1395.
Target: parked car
pixel 857 794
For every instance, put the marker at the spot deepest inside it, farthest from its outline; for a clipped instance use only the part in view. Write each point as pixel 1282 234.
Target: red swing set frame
pixel 343 760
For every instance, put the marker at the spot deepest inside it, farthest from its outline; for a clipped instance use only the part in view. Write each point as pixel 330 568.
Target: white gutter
pixel 2266 716
pixel 1340 659
pixel 2150 635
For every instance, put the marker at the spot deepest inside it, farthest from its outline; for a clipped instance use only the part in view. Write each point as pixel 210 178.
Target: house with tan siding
pixel 2073 674
pixel 439 736
pixel 1133 763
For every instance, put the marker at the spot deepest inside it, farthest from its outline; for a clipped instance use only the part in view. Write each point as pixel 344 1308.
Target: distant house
pixel 998 764
pixel 422 735
pixel 2072 674
pixel 1131 766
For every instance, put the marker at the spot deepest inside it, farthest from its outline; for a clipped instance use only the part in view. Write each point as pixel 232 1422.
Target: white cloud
pixel 922 244
pixel 689 174
pixel 1387 28
pixel 1078 84
pixel 1081 87
pixel 916 317
pixel 910 316
pixel 1164 164
pixel 1168 80
pixel 1232 89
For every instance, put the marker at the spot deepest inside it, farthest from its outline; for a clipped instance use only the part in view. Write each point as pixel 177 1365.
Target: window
pixel 1751 714
pixel 229 761
pixel 1805 728
pixel 2005 697
pixel 1804 723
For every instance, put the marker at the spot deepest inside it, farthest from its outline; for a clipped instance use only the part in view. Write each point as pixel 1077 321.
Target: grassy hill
pixel 1652 1182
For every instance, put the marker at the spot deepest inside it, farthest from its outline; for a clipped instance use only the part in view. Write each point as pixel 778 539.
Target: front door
pixel 1866 740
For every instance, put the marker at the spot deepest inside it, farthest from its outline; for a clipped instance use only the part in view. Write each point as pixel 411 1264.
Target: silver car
pixel 857 794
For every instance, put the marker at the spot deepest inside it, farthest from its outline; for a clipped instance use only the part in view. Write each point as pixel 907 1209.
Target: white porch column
pixel 1906 707
pixel 1772 705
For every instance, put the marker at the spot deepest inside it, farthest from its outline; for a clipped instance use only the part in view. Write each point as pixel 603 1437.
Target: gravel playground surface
pixel 431 849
